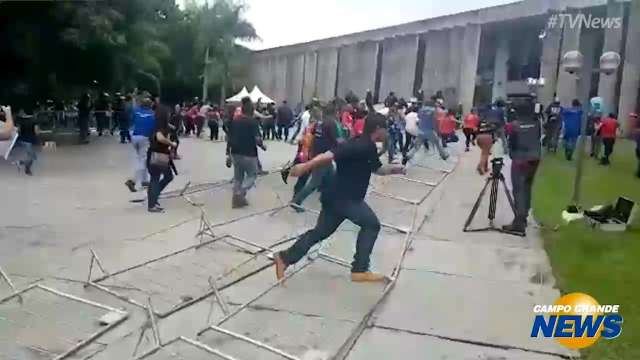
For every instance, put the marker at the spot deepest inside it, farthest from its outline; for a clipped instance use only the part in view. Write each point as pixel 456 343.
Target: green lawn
pixel 604 265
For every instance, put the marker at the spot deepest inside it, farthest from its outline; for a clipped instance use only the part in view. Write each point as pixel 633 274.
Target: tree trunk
pixel 205 76
pixel 223 93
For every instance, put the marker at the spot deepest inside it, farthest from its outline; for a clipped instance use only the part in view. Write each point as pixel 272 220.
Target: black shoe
pixel 131 185
pixel 27 171
pixel 155 209
pixel 515 229
pixel 145 184
pixel 262 172
pixel 466 150
pixel 405 160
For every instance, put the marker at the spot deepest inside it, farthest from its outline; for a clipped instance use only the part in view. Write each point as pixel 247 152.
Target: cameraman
pixel 524 145
pixel 6 130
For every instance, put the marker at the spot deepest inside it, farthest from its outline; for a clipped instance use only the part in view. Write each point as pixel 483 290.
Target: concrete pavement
pixel 458 296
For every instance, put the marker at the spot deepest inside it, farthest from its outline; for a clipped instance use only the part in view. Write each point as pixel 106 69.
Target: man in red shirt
pixel 470 127
pixel 447 127
pixel 608 131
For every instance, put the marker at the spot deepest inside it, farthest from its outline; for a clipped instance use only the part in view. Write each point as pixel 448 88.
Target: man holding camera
pixel 524 145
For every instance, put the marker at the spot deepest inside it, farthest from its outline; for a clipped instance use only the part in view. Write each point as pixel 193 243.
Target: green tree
pixel 221 26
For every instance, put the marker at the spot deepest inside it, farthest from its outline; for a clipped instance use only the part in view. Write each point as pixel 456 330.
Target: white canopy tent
pixel 256 95
pixel 238 97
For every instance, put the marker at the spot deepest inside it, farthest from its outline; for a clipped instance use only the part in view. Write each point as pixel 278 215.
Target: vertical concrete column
pixel 549 64
pixel 357 70
pixel 567 89
pixel 399 65
pixel 435 61
pixel 269 87
pixel 279 79
pixel 631 70
pixel 612 42
pixel 470 51
pixel 326 73
pixel 310 74
pixel 588 45
pixel 500 69
pixel 451 86
pixel 295 70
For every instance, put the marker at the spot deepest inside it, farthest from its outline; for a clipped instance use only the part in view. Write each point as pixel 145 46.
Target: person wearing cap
pixel 342 197
pixel 526 151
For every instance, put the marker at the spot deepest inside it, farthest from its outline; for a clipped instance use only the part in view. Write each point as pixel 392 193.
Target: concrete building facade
pixel 472 57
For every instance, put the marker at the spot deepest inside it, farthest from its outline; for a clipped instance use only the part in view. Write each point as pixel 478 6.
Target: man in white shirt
pixel 302 127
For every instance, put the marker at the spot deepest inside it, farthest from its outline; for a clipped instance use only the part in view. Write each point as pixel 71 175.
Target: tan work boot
pixel 280 266
pixel 367 277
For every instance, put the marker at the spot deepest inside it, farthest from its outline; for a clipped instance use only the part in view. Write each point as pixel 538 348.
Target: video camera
pixel 496 166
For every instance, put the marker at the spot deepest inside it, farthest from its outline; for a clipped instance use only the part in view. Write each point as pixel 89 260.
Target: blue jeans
pixel 569 147
pixel 29 153
pixel 331 216
pixel 431 137
pixel 140 146
pixel 157 185
pixel 245 171
pixel 318 177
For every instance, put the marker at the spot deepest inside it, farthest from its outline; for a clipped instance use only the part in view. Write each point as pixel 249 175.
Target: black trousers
pixel 331 216
pixel 160 178
pixel 522 175
pixel 407 143
pixel 283 130
pixel 83 125
pixel 470 136
pixel 213 130
pixel 199 125
pixel 608 148
pixel 638 156
pixel 269 130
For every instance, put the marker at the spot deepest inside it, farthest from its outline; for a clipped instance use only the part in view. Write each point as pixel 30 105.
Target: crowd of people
pixel 602 129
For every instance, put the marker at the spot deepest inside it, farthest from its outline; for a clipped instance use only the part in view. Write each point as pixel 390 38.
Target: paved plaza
pixel 451 295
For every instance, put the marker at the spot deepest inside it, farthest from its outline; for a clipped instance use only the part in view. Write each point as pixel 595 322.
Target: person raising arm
pixel 9 126
pixel 343 198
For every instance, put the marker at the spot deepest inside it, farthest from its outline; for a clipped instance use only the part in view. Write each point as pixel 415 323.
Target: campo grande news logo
pixel 577 321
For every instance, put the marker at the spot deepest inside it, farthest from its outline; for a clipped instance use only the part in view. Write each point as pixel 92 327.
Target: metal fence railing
pixel 67 121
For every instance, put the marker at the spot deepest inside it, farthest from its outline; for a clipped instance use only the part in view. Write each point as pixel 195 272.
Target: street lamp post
pixel 572 63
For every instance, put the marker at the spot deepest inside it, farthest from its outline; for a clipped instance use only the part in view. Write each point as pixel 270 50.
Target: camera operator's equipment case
pixel 613 218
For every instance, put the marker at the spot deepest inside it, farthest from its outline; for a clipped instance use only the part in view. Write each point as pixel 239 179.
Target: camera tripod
pixel 494 181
